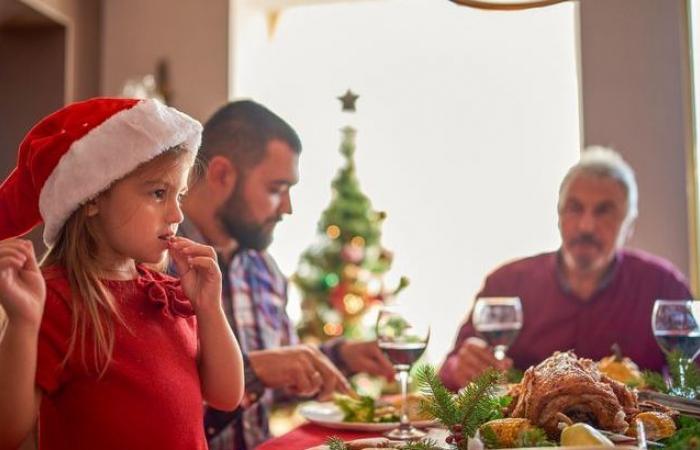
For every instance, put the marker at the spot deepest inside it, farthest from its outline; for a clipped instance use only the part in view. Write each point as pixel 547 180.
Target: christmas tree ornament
pixel 333 231
pixel 352 253
pixel 333 329
pixel 331 280
pixel 351 272
pixel 358 241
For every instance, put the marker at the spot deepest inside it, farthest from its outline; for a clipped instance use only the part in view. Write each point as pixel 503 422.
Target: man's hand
pixel 302 370
pixel 366 357
pixel 472 358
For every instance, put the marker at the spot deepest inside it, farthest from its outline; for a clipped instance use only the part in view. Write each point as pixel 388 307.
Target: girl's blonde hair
pixel 93 308
pixel 3 322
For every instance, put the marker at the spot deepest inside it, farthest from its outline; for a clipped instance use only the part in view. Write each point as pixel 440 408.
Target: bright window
pixel 694 12
pixel 467 122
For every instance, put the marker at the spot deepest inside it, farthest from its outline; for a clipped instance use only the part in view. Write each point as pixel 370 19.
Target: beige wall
pixel 32 85
pixel 635 97
pixel 190 34
pixel 53 47
pixel 82 21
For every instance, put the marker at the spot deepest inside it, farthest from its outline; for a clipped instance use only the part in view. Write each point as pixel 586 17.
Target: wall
pixel 82 20
pixel 53 47
pixel 32 85
pixel 53 50
pixel 635 87
pixel 191 35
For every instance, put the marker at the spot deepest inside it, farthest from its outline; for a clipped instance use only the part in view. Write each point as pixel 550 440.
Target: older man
pixel 588 295
pixel 250 157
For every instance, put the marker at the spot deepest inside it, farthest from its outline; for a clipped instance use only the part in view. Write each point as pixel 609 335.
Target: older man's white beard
pixel 581 264
pixel 589 265
pixel 584 264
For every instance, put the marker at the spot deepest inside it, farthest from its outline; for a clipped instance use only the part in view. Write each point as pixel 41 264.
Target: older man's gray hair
pixel 605 163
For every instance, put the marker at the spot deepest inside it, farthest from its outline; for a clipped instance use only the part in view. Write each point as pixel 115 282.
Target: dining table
pixel 310 435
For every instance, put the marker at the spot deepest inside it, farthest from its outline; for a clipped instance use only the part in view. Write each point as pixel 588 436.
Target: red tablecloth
pixel 310 435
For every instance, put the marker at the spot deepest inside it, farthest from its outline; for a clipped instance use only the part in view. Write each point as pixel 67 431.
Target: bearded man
pixel 251 162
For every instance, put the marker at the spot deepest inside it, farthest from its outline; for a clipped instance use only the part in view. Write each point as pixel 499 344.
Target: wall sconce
pixel 155 86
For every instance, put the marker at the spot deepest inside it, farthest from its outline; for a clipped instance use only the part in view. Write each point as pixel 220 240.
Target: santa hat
pixel 79 151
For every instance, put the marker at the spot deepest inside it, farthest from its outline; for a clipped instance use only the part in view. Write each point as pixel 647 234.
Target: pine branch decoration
pixel 477 402
pixel 687 437
pixel 676 363
pixel 335 443
pixel 655 381
pixel 475 405
pixel 425 444
pixel 439 401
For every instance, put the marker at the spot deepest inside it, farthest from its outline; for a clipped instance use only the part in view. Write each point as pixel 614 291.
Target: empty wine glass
pixel 402 334
pixel 498 321
pixel 676 326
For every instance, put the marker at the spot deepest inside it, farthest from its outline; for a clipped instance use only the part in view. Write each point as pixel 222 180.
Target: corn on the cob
pixel 656 424
pixel 507 430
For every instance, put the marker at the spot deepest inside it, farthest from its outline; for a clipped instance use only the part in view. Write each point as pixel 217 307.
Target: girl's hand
pixel 200 276
pixel 22 287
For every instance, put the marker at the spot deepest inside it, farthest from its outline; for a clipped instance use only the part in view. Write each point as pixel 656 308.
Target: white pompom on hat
pixel 77 152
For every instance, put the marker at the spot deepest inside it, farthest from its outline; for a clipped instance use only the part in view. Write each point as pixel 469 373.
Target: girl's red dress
pixel 149 398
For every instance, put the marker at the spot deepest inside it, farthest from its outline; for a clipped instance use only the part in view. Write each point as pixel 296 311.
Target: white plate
pixel 327 414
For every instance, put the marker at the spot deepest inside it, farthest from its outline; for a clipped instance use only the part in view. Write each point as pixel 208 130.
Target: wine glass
pixel 676 326
pixel 402 334
pixel 498 321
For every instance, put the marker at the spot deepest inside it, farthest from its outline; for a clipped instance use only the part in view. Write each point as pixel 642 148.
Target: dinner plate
pixel 327 414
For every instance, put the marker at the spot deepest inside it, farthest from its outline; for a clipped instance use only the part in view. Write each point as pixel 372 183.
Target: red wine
pixel 401 354
pixel 687 343
pixel 498 334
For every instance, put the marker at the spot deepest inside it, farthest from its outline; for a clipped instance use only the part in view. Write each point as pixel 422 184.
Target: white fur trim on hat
pixel 109 152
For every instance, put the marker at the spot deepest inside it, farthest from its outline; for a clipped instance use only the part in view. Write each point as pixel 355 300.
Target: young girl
pixel 109 353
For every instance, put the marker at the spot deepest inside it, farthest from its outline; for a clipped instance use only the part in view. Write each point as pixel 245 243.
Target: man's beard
pixel 235 215
pixel 587 262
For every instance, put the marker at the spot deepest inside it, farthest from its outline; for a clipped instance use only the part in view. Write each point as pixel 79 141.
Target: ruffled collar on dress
pixel 162 291
pixel 165 292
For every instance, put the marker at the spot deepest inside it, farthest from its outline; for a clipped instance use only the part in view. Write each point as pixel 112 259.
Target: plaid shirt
pixel 254 297
pixel 255 300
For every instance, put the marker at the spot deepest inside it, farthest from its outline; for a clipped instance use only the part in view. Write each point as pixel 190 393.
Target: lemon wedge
pixel 580 434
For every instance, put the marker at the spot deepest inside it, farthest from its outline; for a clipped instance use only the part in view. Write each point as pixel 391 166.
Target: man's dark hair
pixel 240 131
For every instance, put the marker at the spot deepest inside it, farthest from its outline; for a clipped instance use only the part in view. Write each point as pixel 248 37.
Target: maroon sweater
pixel 556 319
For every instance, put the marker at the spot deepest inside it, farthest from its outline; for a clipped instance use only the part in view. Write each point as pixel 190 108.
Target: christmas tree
pixel 341 275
